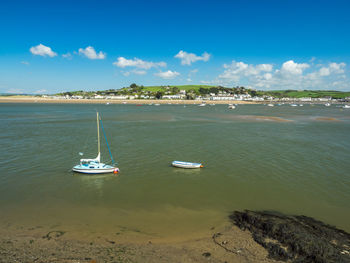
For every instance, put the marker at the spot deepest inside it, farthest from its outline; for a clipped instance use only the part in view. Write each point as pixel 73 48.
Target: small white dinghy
pixel 186 165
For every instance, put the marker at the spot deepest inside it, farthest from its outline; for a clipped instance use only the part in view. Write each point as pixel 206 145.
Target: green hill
pixel 196 90
pixel 305 93
pixel 181 87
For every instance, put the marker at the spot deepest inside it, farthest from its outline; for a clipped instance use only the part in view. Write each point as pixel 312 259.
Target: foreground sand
pixel 226 244
pixel 29 99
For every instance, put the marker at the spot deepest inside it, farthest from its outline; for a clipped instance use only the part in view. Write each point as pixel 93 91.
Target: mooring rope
pixel 109 150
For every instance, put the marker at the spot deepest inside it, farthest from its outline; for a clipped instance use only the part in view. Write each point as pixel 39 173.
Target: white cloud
pixel 15 91
pixel 126 74
pixel 167 74
pixel 333 68
pixel 136 72
pixel 138 63
pixel 324 71
pixel 189 79
pixel 337 68
pixel 189 58
pixel 267 76
pixel 41 91
pixel 42 50
pixel 25 63
pixel 290 67
pixel 90 53
pixel 139 72
pixel 208 82
pixel 67 55
pixel 290 75
pixel 264 67
pixel 236 70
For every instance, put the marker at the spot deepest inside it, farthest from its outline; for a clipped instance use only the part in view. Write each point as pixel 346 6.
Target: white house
pixel 305 99
pixel 118 97
pixel 173 97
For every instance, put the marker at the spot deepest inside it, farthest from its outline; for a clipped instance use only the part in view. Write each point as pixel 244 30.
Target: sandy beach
pixel 38 244
pixel 32 99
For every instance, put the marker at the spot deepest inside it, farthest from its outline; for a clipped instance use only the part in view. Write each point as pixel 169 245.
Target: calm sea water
pixel 290 159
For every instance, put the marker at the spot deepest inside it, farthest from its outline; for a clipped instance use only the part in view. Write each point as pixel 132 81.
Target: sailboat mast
pixel 98 134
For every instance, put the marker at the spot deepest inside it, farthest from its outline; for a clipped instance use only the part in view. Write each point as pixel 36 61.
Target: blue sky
pixel 53 46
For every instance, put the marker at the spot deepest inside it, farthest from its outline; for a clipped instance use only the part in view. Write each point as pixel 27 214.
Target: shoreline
pixel 32 99
pixel 225 243
pixel 249 236
pixel 25 99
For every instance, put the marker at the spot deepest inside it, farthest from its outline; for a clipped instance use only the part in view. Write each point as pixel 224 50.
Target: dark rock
pixel 206 254
pixel 295 238
pixel 54 234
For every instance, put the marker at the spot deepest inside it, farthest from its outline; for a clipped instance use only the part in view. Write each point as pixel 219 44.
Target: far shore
pixel 30 99
pixel 33 99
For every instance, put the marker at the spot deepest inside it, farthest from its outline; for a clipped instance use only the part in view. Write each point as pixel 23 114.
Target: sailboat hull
pixel 96 170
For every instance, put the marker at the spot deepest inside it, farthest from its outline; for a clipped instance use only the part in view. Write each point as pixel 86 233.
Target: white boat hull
pixel 94 171
pixel 95 168
pixel 186 165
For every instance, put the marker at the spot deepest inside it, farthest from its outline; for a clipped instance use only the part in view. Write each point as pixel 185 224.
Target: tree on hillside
pixel 159 94
pixel 203 90
pixel 214 90
pixel 175 90
pixel 252 93
pixel 133 86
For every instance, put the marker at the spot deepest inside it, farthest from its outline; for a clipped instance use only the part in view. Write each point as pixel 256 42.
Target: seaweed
pixel 295 238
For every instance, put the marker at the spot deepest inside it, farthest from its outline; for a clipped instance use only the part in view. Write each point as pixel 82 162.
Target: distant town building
pixel 173 97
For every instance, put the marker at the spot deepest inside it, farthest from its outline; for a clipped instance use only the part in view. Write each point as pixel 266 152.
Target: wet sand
pixel 266 118
pixel 326 119
pixel 29 99
pixel 225 244
pixel 256 118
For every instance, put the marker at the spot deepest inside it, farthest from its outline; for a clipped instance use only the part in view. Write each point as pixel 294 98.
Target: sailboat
pixel 94 166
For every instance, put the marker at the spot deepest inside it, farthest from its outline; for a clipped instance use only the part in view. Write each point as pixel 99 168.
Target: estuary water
pixel 295 160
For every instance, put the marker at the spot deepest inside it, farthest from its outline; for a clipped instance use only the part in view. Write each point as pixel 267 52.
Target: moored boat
pixel 95 166
pixel 186 165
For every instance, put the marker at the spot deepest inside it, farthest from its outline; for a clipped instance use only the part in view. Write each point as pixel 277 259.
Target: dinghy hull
pixel 186 165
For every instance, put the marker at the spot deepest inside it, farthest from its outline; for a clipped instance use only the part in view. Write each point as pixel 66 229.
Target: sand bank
pixel 326 119
pixel 228 244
